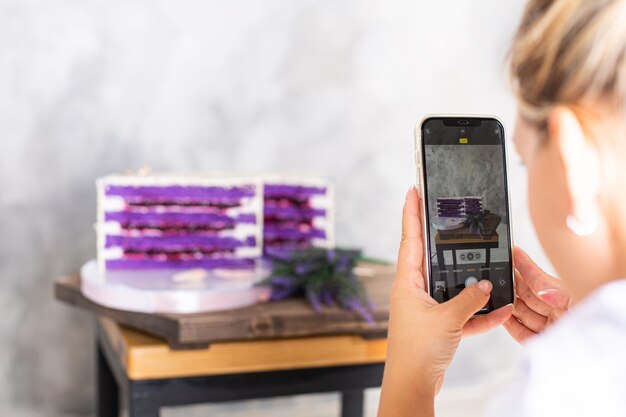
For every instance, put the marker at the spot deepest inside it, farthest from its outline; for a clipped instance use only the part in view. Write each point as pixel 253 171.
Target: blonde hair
pixel 569 52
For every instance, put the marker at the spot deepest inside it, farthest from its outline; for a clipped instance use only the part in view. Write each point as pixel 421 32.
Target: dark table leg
pixel 141 407
pixel 454 258
pixel 454 268
pixel 352 403
pixel 441 262
pixel 107 395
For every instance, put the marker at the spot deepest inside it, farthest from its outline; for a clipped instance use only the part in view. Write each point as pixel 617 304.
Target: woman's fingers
pixel 536 277
pixel 529 318
pixel 517 330
pixel 482 324
pixel 523 292
pixel 411 252
pixel 546 287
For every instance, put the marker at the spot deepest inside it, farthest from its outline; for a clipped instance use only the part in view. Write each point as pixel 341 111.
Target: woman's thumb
pixel 469 301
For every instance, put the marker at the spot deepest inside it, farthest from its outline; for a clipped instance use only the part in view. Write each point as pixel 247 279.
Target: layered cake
pixel 450 207
pixel 473 205
pixel 178 223
pixel 297 213
pixel 458 207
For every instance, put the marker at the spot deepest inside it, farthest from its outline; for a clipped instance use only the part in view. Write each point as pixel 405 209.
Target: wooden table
pixel 288 318
pixel 149 374
pixel 265 350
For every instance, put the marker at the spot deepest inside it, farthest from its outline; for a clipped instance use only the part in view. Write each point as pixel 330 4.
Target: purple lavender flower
pixel 302 268
pixel 314 301
pixel 322 276
pixel 343 262
pixel 327 298
pixel 355 305
pixel 284 281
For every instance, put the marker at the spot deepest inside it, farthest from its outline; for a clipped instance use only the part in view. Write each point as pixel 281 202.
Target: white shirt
pixel 577 367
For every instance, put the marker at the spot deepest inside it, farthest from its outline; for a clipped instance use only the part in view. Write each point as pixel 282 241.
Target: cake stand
pixel 172 291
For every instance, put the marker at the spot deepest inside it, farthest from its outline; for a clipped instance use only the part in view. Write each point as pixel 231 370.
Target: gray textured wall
pixel 466 171
pixel 91 87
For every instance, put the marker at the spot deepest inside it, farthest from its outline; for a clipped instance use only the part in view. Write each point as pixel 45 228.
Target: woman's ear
pixel 580 164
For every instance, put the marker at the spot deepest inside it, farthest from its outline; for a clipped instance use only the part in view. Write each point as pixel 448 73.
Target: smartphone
pixel 462 175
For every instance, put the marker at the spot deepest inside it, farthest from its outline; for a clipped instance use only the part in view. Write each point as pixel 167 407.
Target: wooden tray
pixel 289 318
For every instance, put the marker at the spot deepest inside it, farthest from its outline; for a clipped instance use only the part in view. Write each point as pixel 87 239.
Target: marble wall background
pixel 93 87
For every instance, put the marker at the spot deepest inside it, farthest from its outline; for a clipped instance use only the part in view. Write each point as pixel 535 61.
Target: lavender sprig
pixel 322 276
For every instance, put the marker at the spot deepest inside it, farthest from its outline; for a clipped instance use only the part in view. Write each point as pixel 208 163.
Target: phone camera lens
pixel 427 131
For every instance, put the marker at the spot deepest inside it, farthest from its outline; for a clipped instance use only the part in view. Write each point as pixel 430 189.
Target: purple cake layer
pixel 206 263
pixel 292 213
pixel 290 224
pixel 179 191
pixel 221 203
pixel 168 218
pixel 292 190
pixel 296 203
pixel 143 243
pixel 278 233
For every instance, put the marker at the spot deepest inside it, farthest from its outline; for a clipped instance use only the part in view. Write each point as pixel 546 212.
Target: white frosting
pixel 296 179
pixel 248 252
pixel 165 180
pixel 113 253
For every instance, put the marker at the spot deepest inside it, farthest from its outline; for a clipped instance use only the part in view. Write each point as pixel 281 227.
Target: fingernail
pixel 551 296
pixel 485 286
pixel 409 192
pixel 546 291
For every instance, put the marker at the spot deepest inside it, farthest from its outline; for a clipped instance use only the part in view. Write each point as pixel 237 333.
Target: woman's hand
pixel 540 300
pixel 423 335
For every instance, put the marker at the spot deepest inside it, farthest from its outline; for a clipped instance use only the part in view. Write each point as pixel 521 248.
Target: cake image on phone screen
pixel 466 215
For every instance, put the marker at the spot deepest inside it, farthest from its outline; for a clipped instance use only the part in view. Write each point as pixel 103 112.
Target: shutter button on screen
pixel 470 281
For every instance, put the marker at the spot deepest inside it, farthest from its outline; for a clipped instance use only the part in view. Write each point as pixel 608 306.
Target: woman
pixel 568 66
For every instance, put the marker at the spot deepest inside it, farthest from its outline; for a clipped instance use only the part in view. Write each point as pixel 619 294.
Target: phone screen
pixel 467 207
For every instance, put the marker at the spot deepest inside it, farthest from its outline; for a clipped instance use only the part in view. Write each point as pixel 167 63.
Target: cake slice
pixel 178 222
pixel 297 213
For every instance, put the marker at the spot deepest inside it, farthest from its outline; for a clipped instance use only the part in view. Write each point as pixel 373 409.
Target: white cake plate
pixel 179 292
pixel 449 223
